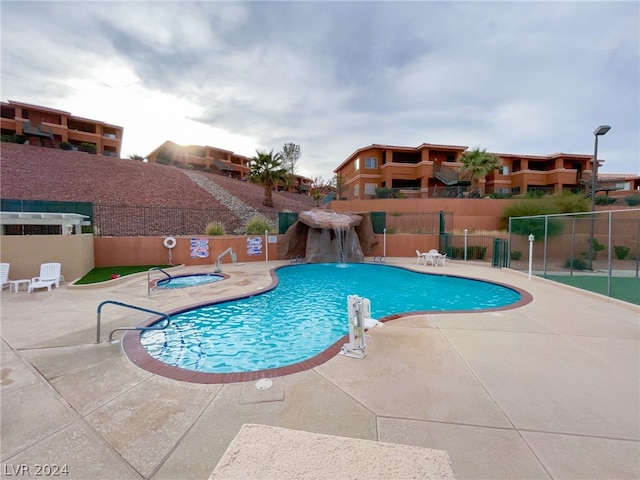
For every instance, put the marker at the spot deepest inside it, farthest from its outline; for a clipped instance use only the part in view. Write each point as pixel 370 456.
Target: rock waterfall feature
pixel 321 236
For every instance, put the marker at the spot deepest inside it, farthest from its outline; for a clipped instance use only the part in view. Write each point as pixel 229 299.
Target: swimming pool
pixel 193 280
pixel 307 313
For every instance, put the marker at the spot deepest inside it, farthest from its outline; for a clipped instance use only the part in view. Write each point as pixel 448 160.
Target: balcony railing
pixel 451 176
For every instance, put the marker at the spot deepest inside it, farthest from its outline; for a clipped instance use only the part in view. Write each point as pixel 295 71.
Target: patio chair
pixel 49 276
pixel 424 257
pixel 437 256
pixel 4 275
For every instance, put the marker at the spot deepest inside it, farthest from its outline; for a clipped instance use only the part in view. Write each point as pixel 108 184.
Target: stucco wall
pixel 472 214
pixel 26 253
pixel 117 251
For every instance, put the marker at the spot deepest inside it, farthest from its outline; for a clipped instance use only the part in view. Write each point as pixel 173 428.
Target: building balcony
pixel 80 136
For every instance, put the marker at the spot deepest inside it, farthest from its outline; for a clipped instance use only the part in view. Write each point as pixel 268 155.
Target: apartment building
pixel 48 127
pixel 216 160
pixel 432 170
pixel 213 159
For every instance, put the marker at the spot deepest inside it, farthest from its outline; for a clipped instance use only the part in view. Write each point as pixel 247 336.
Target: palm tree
pixel 267 170
pixel 480 164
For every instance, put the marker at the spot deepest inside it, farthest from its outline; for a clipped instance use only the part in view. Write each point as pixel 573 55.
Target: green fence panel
pixel 285 220
pixel 500 252
pixel 379 221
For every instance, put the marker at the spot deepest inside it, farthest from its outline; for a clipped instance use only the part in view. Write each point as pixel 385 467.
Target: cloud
pixel 516 77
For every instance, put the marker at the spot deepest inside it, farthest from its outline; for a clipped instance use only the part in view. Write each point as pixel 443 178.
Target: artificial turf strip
pixel 622 288
pixel 102 274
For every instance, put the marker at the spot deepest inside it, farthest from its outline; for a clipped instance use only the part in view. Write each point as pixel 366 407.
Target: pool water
pixel 183 281
pixel 307 313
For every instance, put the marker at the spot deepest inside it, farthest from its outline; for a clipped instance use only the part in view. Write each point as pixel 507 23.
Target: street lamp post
pixel 601 130
pixel 531 239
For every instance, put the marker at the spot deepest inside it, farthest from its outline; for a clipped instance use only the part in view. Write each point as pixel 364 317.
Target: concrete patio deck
pixel 548 390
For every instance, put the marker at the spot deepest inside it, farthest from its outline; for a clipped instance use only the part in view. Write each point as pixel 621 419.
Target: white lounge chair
pixel 49 276
pixel 4 275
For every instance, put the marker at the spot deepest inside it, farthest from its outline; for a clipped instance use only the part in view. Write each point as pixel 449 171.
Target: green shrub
pixel 534 194
pixel 621 251
pixel 563 202
pixel 257 225
pixel 474 252
pixel 633 200
pixel 89 148
pixel 516 255
pixel 214 229
pixel 384 192
pixel 597 247
pixel 605 200
pixel 497 195
pixel 190 167
pixel 576 264
pixel 65 146
pixel 12 138
pixel 164 157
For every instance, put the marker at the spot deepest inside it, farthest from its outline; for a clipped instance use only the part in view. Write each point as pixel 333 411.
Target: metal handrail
pixel 149 277
pixel 134 307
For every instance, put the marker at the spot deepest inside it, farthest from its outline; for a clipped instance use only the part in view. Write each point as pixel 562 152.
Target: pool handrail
pixel 134 307
pixel 149 277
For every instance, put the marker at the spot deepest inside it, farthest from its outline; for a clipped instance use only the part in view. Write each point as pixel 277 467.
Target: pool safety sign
pixel 254 246
pixel 199 247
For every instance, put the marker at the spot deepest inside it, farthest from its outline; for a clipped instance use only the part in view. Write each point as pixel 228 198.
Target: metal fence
pixel 598 251
pixel 418 192
pixel 131 221
pixel 428 223
pixel 471 247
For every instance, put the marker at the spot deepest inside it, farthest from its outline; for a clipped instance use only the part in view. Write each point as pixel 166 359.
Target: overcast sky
pixel 513 77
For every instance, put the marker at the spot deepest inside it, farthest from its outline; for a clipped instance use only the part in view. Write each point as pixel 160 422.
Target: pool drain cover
pixel 263 384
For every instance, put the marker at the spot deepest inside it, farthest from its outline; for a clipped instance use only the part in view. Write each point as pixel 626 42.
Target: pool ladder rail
pixel 149 278
pixel 167 319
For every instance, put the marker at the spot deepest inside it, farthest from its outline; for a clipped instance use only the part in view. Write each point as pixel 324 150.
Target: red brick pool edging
pixel 137 354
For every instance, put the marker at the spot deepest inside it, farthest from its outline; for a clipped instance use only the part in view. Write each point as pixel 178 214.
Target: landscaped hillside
pixel 36 173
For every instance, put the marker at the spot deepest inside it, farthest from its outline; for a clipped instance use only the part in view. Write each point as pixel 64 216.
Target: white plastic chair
pixel 49 276
pixel 424 257
pixel 437 256
pixel 4 275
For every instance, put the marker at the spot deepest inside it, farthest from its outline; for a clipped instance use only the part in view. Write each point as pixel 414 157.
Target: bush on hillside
pixel 564 202
pixel 257 225
pixel 214 229
pixel 88 148
pixel 12 138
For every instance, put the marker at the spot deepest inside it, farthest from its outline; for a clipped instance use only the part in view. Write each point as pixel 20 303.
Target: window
pixel 356 191
pixel 370 188
pixel 370 162
pixel 505 170
pixel 356 164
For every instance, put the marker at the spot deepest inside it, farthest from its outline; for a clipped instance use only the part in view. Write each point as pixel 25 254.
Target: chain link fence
pixel 597 251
